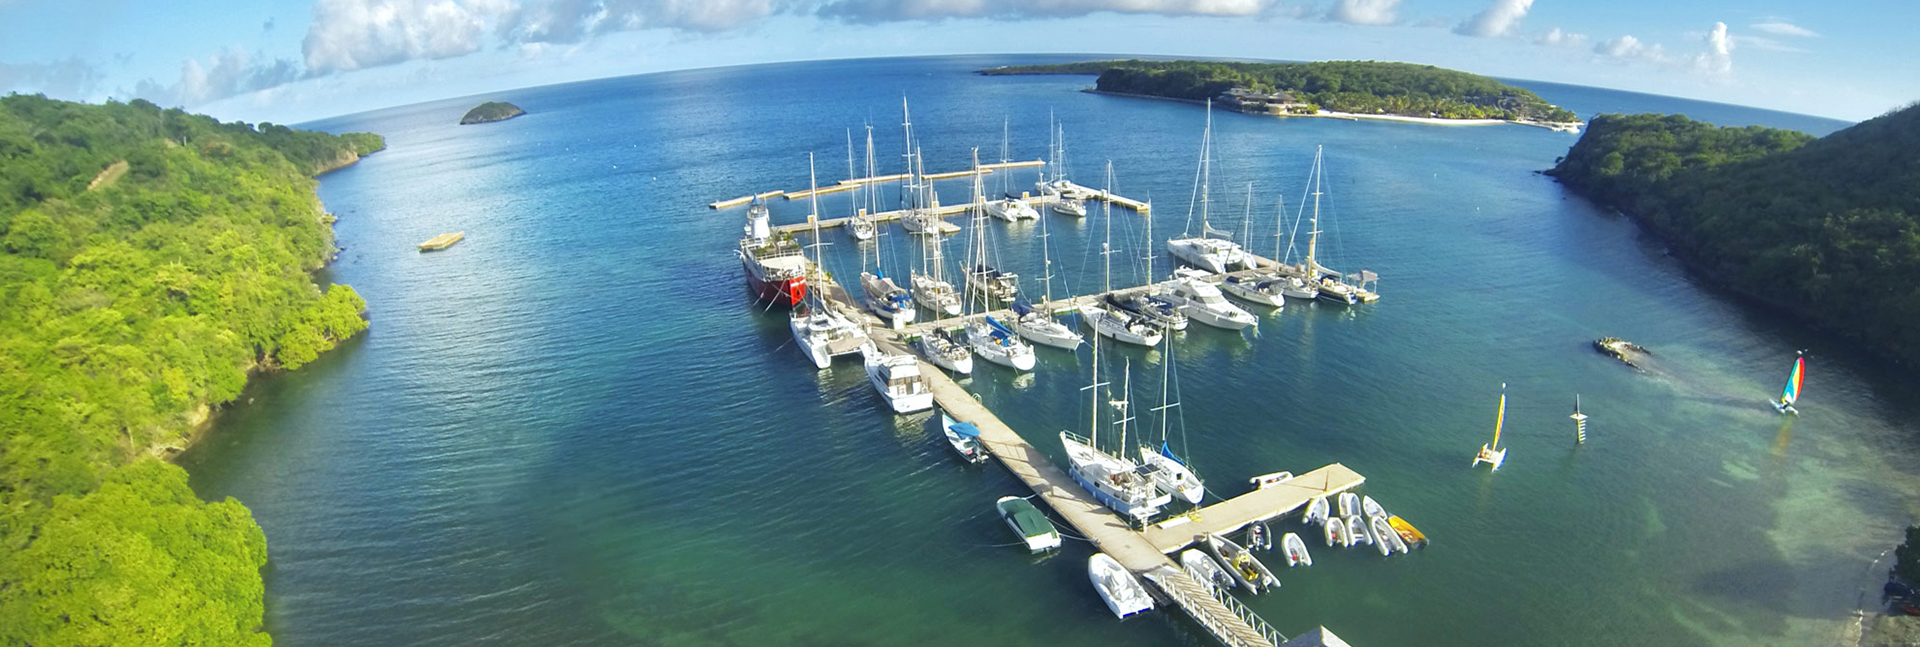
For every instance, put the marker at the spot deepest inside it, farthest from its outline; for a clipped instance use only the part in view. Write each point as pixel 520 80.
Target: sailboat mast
pixel 813 215
pixel 1206 167
pixel 1313 228
pixel 1126 392
pixel 977 244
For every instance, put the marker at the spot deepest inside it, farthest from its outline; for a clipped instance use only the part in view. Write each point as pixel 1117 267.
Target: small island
pixel 1627 352
pixel 1337 89
pixel 491 111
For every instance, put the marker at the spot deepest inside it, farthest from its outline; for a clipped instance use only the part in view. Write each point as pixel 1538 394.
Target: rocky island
pixel 491 111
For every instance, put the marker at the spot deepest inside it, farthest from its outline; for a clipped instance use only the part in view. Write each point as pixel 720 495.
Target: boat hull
pixel 782 292
pixel 1117 587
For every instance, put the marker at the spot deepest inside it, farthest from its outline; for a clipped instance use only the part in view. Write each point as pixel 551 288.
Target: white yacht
pixel 893 303
pixel 994 283
pixel 1041 329
pixel 1167 471
pixel 1217 255
pixel 1203 302
pixel 1011 209
pixel 1123 594
pixel 942 350
pixel 1154 310
pixel 821 333
pixel 897 378
pixel 934 294
pixel 989 338
pixel 1066 206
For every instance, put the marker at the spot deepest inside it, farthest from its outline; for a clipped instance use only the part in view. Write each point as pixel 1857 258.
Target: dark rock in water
pixel 1627 352
pixel 491 111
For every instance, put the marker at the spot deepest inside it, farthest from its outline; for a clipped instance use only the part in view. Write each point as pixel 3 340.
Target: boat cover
pixel 1002 328
pixel 965 430
pixel 1022 308
pixel 1027 518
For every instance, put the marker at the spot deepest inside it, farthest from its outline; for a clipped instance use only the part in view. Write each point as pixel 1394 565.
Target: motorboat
pixel 1028 523
pixel 1257 290
pixel 1114 481
pixel 1412 536
pixel 964 438
pixel 1152 309
pixel 1246 569
pixel 1066 206
pixel 1349 504
pixel 1370 508
pixel 1201 301
pixel 1216 255
pixel 892 302
pixel 1118 588
pixel 996 343
pixel 1037 327
pixel 1011 209
pixel 1120 325
pixel 1317 511
pixel 1203 568
pixel 1297 554
pixel 940 348
pixel 897 377
pixel 1333 290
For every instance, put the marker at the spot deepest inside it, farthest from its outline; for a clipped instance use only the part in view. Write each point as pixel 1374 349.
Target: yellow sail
pixel 1498 420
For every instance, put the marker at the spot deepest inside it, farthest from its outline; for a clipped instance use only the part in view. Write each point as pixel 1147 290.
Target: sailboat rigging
pixel 1791 393
pixel 1491 453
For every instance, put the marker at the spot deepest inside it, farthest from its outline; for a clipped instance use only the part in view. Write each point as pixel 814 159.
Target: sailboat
pixel 1113 480
pixel 1217 255
pixel 983 279
pixel 939 347
pixel 1491 453
pixel 884 297
pixel 859 222
pixel 1066 205
pixel 1791 394
pixel 1170 474
pixel 929 288
pixel 1329 283
pixel 1040 327
pixel 989 338
pixel 1008 207
pixel 1115 323
pixel 820 331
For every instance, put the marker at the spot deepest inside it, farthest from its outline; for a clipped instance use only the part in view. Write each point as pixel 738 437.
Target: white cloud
pixel 1630 48
pixel 1718 59
pixel 871 11
pixel 1558 38
pixel 225 74
pixel 1363 12
pixel 354 34
pixel 1496 20
pixel 1784 28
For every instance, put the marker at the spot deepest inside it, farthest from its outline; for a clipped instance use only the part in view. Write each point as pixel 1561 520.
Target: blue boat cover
pixel 966 430
pixel 999 326
pixel 1022 308
pixel 1168 452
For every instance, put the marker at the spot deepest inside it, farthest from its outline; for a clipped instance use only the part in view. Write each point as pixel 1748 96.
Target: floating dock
pixel 442 241
pixel 735 202
pixel 1038 202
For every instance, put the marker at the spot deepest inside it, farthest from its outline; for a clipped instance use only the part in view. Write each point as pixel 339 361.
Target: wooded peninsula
pixel 1825 230
pixel 151 260
pixel 1356 87
pixel 491 111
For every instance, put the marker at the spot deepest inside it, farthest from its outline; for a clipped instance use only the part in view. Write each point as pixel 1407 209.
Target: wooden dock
pixel 735 202
pixel 442 241
pixel 1039 202
pixel 1259 505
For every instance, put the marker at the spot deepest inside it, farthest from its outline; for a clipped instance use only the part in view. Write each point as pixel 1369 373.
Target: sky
pixel 289 61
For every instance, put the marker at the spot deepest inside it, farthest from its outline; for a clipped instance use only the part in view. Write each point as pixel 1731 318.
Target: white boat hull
pixel 1043 330
pixel 1296 550
pixel 1116 328
pixel 1011 353
pixel 1492 457
pixel 1118 588
pixel 1174 478
pixel 1250 294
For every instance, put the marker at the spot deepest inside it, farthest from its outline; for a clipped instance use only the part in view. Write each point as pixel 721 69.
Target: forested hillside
pixel 1344 86
pixel 1828 230
pixel 149 260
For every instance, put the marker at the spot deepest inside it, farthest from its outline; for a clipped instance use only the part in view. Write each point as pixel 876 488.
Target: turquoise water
pixel 574 428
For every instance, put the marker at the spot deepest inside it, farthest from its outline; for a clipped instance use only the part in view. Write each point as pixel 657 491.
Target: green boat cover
pixel 1026 517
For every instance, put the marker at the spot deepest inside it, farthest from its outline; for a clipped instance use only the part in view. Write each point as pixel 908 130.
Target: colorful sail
pixel 1792 392
pixel 1499 419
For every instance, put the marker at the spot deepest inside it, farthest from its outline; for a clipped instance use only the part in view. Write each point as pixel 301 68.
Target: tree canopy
pixel 149 259
pixel 491 111
pixel 1370 87
pixel 1826 229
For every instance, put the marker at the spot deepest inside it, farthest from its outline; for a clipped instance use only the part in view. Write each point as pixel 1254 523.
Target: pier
pixel 1038 202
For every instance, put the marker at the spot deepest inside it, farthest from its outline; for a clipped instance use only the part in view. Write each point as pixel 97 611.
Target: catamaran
pixel 1791 394
pixel 1115 323
pixel 1491 453
pixel 819 330
pixel 897 377
pixel 1217 255
pixel 917 197
pixel 1116 482
pixel 776 268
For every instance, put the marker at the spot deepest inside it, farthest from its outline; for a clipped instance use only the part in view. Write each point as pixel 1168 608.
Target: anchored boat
pixel 1028 523
pixel 1118 588
pixel 1242 565
pixel 964 438
pixel 1412 536
pixel 897 378
pixel 1296 550
pixel 1202 301
pixel 1203 568
pixel 940 348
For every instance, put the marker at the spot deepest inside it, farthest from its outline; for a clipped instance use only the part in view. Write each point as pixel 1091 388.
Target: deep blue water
pixel 574 427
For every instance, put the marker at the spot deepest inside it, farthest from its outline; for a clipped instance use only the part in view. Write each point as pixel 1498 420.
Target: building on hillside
pixel 1246 100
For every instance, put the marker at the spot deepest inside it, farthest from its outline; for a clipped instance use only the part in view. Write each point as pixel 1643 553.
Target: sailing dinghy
pixel 1492 454
pixel 1791 394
